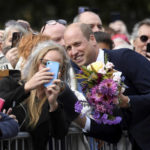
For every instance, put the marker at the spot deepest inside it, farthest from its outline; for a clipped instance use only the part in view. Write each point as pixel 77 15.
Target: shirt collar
pixel 100 56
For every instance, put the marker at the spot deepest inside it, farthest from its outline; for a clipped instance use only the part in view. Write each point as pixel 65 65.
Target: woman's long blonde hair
pixel 34 107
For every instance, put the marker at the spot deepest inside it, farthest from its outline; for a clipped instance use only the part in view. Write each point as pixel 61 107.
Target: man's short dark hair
pixel 86 30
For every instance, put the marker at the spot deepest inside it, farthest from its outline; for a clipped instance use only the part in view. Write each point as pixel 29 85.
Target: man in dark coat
pixel 82 48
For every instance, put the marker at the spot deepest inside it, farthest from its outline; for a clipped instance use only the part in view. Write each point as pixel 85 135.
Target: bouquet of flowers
pixel 102 85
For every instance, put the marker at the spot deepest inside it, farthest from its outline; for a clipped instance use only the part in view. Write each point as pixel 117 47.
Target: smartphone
pixel 54 67
pixel 148 48
pixel 82 9
pixel 2 101
pixel 15 39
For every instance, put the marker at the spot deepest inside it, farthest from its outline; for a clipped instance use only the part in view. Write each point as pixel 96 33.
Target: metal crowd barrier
pixel 20 142
pixel 23 142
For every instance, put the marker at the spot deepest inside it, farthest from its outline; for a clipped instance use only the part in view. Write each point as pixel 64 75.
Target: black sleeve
pixel 137 73
pixel 109 133
pixel 59 123
pixel 21 115
pixel 68 99
pixel 11 90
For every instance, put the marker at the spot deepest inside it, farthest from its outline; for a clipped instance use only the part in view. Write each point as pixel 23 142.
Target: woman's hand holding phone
pixel 39 78
pixel 52 93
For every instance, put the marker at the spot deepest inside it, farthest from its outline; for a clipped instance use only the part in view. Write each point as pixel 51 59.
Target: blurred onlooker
pixel 25 24
pixel 90 18
pixel 10 22
pixel 141 37
pixel 104 40
pixel 119 27
pixel 26 44
pixel 55 29
pixel 10 51
pixel 110 31
pixel 121 41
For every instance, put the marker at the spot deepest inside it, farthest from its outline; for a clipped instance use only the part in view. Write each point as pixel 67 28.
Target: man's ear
pixel 92 39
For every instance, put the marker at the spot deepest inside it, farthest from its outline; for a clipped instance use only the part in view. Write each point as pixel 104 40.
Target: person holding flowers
pixel 134 102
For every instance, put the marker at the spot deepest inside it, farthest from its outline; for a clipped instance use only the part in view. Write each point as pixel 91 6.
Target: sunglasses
pixel 54 22
pixel 143 38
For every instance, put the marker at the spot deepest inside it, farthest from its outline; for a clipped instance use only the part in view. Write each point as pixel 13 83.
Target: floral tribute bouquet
pixel 102 85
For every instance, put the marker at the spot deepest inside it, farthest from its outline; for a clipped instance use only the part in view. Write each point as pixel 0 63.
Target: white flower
pixel 117 76
pixel 109 65
pixel 102 71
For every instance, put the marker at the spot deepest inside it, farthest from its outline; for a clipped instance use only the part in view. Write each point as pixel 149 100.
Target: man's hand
pixel 124 101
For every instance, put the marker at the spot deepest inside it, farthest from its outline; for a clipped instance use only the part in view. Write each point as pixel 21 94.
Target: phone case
pixel 15 38
pixel 54 67
pixel 2 101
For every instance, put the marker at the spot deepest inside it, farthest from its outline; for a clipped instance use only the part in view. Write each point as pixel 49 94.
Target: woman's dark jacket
pixel 53 124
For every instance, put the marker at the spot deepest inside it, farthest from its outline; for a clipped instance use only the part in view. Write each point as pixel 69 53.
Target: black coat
pixel 53 124
pixel 136 70
pixel 12 89
pixel 136 119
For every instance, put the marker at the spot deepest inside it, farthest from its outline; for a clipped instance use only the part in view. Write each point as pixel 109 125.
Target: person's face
pixel 79 49
pixel 139 45
pixel 8 40
pixel 119 27
pixel 56 32
pixel 51 55
pixel 92 20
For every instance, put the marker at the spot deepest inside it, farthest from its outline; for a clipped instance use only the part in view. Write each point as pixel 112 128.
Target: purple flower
pixel 104 118
pixel 117 120
pixel 101 108
pixel 108 87
pixel 96 94
pixel 80 72
pixel 78 107
pixel 96 114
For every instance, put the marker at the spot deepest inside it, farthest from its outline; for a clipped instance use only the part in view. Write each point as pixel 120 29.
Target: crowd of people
pixel 30 106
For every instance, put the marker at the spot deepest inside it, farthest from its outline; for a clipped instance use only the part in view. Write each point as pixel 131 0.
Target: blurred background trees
pixel 38 11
